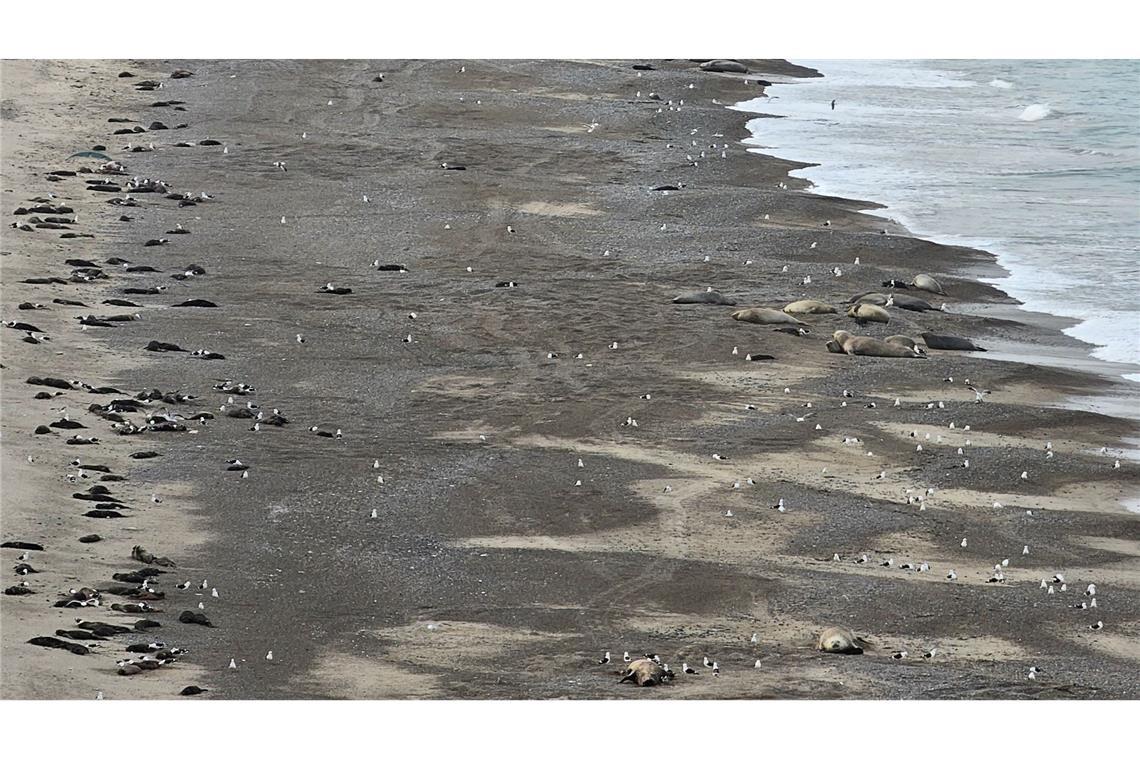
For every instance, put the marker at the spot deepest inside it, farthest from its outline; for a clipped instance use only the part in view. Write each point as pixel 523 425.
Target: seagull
pixel 756 665
pixel 280 165
pixel 900 655
pixel 300 338
pixel 755 638
pixel 374 514
pixel 183 586
pixel 708 662
pixel 1025 550
pixel 233 665
pixel 605 659
pixel 951 576
pixel 626 657
pixel 1091 590
pixel 1033 671
pixel 929 655
pixel 1096 626
pixel 269 655
pixel 687 670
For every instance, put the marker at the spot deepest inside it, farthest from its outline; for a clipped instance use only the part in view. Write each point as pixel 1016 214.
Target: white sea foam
pixel 1001 84
pixel 1035 112
pixel 1056 205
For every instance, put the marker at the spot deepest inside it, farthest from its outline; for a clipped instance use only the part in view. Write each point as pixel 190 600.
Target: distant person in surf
pixel 833 105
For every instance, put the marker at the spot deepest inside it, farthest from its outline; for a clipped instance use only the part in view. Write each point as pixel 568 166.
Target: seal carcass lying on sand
pixel 645 673
pixel 761 316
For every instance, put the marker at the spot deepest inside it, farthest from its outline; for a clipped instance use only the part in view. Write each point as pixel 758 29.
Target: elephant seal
pixel 644 672
pixel 949 342
pixel 928 283
pixel 901 340
pixel 840 640
pixel 704 296
pixel 857 345
pixel 863 313
pixel 761 316
pixel 910 303
pixel 870 296
pixel 730 67
pixel 809 306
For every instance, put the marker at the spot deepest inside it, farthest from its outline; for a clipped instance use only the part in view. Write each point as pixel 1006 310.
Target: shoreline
pixel 1127 372
pixel 487 572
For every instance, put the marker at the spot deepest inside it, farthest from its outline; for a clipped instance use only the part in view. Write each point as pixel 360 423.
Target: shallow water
pixel 1036 161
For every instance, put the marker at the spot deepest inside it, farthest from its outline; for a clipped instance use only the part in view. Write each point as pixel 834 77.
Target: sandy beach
pixel 483 519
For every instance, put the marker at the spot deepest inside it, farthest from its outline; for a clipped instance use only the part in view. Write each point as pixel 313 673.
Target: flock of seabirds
pixel 149 411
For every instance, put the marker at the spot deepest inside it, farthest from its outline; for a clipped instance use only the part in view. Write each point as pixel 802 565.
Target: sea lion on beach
pixel 840 640
pixel 704 296
pixel 949 342
pixel 762 316
pixel 928 283
pixel 857 345
pixel 808 306
pixel 863 313
pixel 644 672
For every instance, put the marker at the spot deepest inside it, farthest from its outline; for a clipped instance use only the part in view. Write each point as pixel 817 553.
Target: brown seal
pixel 928 283
pixel 808 306
pixel 866 312
pixel 761 316
pixel 857 345
pixel 839 640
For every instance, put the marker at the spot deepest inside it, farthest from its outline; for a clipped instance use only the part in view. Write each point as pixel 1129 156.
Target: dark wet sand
pixel 524 578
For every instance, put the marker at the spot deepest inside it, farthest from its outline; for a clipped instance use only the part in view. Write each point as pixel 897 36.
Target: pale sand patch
pixel 1115 641
pixel 357 677
pixel 545 208
pixel 956 438
pixel 1115 545
pixel 455 645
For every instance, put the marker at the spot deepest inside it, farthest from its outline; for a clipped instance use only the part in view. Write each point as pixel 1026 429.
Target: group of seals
pixel 896 347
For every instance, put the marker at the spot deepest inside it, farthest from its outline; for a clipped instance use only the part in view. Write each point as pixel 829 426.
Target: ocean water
pixel 1037 162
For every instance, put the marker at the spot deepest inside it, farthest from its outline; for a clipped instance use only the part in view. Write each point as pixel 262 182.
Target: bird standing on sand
pixel 605 659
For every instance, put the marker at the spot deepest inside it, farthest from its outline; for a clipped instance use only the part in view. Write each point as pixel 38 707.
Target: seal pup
pixel 949 342
pixel 839 640
pixel 762 316
pixel 809 306
pixel 927 283
pixel 864 312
